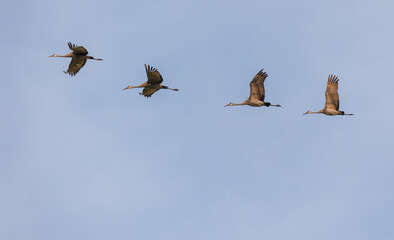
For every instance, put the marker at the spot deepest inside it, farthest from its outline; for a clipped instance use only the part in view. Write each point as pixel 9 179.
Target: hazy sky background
pixel 82 159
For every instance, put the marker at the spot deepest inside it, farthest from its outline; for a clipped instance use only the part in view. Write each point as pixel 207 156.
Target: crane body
pixel 79 56
pixel 331 107
pixel 153 84
pixel 257 92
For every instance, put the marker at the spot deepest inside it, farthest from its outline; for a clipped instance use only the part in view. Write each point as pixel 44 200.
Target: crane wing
pixel 150 89
pixel 77 62
pixel 257 91
pixel 154 77
pixel 332 96
pixel 77 49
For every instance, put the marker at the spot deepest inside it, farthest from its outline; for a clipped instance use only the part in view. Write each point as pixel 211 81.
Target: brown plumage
pixel 257 92
pixel 331 107
pixel 153 84
pixel 79 56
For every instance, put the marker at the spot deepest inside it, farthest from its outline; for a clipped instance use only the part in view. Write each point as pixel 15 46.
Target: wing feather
pixel 77 49
pixel 77 62
pixel 257 90
pixel 154 77
pixel 332 96
pixel 150 89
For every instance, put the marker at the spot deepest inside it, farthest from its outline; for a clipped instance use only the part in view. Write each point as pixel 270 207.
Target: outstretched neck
pixel 67 55
pixel 321 111
pixel 237 104
pixel 130 87
pixel 140 86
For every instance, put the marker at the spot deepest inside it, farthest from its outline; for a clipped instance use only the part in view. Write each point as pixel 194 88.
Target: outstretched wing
pixel 257 91
pixel 150 89
pixel 77 49
pixel 154 77
pixel 332 97
pixel 77 62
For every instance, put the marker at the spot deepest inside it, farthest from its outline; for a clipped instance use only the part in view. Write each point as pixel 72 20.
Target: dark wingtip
pixel 261 73
pixel 70 73
pixel 332 78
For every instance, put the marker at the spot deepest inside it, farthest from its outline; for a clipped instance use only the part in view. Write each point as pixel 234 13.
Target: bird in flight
pixel 257 92
pixel 79 56
pixel 331 107
pixel 153 84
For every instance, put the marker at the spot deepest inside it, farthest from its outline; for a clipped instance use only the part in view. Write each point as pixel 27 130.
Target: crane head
pixel 53 55
pixel 306 112
pixel 230 104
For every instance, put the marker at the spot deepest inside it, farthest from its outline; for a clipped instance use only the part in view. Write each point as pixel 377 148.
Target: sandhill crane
pixel 153 83
pixel 257 92
pixel 79 56
pixel 331 107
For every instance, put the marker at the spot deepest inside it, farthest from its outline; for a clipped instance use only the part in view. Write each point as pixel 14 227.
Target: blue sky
pixel 82 159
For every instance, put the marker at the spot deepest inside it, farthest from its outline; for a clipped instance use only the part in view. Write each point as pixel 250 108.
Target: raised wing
pixel 150 89
pixel 77 62
pixel 154 77
pixel 257 91
pixel 77 49
pixel 332 97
